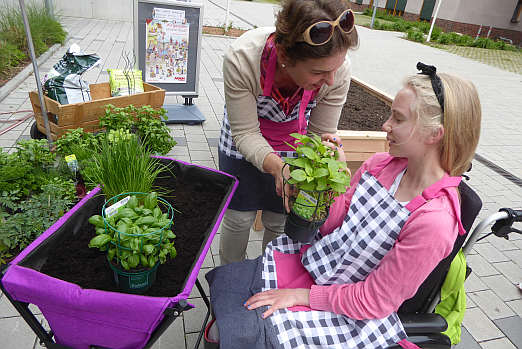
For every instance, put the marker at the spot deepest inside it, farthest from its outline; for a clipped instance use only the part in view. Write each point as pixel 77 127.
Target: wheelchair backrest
pixel 470 205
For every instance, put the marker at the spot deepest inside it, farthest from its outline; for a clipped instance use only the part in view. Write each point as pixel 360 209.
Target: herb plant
pixel 137 236
pixel 317 175
pixel 121 165
pixel 145 121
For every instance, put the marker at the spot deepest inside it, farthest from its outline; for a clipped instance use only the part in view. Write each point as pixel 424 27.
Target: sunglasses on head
pixel 321 32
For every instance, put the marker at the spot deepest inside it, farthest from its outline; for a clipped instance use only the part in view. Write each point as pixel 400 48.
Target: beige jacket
pixel 241 72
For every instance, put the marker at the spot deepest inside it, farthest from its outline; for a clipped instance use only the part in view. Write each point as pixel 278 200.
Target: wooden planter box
pixel 361 145
pixel 86 115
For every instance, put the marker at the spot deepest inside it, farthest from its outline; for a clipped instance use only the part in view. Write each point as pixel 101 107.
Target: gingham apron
pixel 274 124
pixel 347 255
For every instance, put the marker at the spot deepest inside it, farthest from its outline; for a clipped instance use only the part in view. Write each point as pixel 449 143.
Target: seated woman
pixel 383 237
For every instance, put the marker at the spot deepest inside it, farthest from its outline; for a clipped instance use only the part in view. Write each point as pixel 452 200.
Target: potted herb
pixel 316 178
pixel 136 234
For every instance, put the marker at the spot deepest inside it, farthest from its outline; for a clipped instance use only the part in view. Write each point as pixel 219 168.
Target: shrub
pixel 444 39
pixel 465 40
pixel 45 32
pixel 415 35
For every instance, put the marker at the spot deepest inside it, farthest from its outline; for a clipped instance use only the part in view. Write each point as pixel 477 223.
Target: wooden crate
pixel 86 114
pixel 360 145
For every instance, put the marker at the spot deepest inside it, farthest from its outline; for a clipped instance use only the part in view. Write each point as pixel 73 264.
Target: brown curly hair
pixel 297 15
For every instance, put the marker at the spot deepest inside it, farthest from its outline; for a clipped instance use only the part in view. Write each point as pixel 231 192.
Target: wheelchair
pixel 424 327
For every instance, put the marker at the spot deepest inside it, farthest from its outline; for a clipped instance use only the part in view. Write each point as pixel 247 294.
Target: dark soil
pixel 363 111
pixel 198 200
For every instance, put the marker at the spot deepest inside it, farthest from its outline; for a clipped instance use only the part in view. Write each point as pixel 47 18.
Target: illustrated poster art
pixel 167 48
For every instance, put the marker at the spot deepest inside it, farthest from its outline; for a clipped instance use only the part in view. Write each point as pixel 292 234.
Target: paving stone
pixel 200 155
pixel 191 339
pixel 196 137
pixel 181 141
pixel 7 310
pixel 512 327
pixel 510 270
pixel 173 337
pixel 515 256
pixel 199 146
pixel 466 340
pixel 180 133
pixel 491 304
pixel 15 333
pixel 204 284
pixel 480 326
pixel 502 343
pixel 217 260
pixel 516 306
pixel 193 130
pixel 490 253
pixel 214 247
pixel 502 287
pixel 205 163
pixel 501 244
pixel 480 266
pixel 193 318
pixel 473 283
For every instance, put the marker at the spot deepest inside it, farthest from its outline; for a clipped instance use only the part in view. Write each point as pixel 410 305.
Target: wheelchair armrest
pixel 429 341
pixel 423 323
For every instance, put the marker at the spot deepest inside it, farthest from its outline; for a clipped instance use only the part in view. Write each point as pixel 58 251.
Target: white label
pixel 111 210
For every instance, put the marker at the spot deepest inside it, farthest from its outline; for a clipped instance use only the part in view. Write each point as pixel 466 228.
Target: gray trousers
pixel 235 231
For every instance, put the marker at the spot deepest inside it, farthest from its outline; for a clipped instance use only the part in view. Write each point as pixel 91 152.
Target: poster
pixel 167 36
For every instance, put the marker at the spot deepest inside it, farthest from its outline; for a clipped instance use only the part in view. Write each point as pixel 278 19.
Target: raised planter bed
pixel 72 284
pixel 71 116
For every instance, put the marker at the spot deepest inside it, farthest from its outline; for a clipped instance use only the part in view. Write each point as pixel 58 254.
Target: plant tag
pixel 72 162
pixel 307 198
pixel 111 210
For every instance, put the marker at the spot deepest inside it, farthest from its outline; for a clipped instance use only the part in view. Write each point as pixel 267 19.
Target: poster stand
pixel 167 44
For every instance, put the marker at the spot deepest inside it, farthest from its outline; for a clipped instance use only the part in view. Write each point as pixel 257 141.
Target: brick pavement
pixel 493 317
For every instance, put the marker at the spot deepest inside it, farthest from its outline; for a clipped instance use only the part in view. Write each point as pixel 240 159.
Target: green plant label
pixel 72 162
pixel 111 210
pixel 306 199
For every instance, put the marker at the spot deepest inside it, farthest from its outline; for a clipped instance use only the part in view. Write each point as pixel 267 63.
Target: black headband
pixel 436 83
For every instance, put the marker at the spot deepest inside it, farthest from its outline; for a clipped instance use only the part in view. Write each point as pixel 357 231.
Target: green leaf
pixel 148 249
pixel 338 187
pixel 321 184
pixel 133 260
pixel 321 172
pixel 99 240
pixel 298 175
pixel 308 152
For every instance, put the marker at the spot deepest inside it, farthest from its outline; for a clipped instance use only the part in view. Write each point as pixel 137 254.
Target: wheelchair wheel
pixel 35 132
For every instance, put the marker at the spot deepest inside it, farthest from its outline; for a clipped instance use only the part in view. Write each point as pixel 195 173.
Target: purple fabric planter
pixel 80 317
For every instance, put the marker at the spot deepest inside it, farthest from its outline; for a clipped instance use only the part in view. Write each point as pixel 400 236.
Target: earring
pixel 283 65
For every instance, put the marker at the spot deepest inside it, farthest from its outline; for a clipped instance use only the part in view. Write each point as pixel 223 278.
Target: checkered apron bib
pixel 267 108
pixel 347 255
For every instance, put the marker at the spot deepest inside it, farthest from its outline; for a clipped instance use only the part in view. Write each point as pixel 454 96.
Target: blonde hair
pixel 462 118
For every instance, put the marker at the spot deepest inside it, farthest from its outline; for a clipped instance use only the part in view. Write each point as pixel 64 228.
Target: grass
pixel 365 21
pixel 45 32
pixel 506 60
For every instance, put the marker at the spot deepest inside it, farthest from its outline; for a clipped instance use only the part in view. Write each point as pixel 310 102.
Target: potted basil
pixel 316 178
pixel 136 234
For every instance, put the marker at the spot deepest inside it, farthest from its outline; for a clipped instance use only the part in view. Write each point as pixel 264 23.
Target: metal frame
pixel 46 337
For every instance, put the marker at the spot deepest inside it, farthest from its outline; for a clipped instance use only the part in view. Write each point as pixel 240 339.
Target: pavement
pixel 494 305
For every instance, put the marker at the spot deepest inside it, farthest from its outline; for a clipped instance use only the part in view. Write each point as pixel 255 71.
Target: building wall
pixel 466 16
pixel 120 10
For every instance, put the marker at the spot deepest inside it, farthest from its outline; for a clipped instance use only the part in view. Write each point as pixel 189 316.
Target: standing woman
pixel 293 78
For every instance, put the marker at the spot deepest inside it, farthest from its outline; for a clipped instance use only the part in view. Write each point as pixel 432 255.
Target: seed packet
pixel 124 83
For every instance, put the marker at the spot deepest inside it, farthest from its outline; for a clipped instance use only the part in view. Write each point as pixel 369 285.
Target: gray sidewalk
pixel 494 315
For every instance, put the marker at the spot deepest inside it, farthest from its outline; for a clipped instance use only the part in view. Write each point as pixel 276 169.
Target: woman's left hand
pixel 334 142
pixel 279 299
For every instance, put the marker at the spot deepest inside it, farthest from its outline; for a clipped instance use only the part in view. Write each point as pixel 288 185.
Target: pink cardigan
pixel 425 239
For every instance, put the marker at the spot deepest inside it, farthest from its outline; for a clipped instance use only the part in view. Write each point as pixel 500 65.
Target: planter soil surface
pixel 363 111
pixel 74 262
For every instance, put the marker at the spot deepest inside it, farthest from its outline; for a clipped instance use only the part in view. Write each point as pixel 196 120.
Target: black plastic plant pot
pixel 134 282
pixel 73 285
pixel 300 229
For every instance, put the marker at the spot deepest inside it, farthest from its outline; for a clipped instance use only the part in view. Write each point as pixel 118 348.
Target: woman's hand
pixel 279 299
pixel 275 166
pixel 334 142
